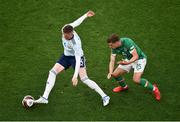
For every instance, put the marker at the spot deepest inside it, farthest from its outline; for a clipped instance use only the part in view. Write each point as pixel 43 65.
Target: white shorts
pixel 138 66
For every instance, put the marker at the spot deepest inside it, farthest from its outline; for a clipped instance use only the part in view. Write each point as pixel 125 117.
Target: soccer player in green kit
pixel 133 58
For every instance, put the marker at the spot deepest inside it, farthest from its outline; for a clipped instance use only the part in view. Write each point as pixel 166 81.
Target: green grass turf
pixel 30 45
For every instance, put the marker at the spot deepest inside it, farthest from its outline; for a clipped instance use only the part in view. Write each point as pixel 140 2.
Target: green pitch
pixel 30 45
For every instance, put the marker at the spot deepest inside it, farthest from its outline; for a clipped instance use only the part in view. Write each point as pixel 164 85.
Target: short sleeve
pixel 130 45
pixel 113 51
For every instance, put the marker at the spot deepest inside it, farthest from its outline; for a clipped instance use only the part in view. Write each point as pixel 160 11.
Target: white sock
pixel 93 86
pixel 50 83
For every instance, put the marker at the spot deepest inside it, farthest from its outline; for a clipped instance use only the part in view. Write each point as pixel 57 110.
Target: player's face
pixel 114 45
pixel 68 36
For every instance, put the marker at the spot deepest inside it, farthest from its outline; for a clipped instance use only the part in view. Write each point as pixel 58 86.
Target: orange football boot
pixel 156 92
pixel 119 88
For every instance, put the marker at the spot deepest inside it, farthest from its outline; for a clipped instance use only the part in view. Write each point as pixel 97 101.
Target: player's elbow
pixel 136 57
pixel 112 61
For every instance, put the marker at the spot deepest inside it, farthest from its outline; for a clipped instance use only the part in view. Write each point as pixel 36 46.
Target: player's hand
pixel 90 13
pixel 109 76
pixel 74 81
pixel 123 62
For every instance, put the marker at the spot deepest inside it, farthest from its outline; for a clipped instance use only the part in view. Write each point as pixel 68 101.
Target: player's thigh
pixel 139 65
pixel 82 72
pixel 58 68
pixel 64 61
pixel 137 76
pixel 82 62
pixel 118 71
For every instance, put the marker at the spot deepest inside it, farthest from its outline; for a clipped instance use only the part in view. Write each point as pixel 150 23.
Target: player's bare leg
pixel 93 85
pixel 50 83
pixel 145 83
pixel 117 75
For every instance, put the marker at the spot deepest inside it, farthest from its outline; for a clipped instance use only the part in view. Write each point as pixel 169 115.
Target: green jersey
pixel 126 49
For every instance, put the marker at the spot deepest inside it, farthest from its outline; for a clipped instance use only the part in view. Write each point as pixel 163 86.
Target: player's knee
pixel 84 79
pixel 91 84
pixel 58 68
pixel 136 79
pixel 53 71
pixel 114 75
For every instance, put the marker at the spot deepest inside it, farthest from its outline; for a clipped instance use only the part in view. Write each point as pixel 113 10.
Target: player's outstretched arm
pixel 82 18
pixel 111 65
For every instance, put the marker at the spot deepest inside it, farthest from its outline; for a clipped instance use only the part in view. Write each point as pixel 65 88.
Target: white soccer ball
pixel 28 101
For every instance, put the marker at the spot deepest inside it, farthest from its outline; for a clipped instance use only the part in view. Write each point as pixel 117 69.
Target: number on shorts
pixel 82 62
pixel 138 66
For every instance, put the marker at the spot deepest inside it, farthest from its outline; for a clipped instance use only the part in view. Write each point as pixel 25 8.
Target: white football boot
pixel 41 100
pixel 106 100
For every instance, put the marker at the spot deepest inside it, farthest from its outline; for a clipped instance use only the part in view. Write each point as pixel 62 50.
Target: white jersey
pixel 72 47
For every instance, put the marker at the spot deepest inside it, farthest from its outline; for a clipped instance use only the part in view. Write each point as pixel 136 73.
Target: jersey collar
pixel 72 37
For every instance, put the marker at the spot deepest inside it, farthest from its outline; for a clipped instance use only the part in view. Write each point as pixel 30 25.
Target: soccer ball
pixel 28 101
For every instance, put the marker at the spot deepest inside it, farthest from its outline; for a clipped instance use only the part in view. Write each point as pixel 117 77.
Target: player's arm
pixel 135 57
pixel 76 72
pixel 111 65
pixel 82 18
pixel 78 54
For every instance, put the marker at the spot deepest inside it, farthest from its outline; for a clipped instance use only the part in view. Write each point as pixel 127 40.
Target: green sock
pixel 120 80
pixel 146 84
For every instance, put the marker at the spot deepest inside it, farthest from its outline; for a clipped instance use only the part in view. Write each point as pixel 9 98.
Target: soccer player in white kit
pixel 73 56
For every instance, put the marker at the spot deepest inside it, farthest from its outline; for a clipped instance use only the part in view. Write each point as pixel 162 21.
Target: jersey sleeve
pixel 130 45
pixel 77 48
pixel 78 61
pixel 78 53
pixel 76 22
pixel 113 51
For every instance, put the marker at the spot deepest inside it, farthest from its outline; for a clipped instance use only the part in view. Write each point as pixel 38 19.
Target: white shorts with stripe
pixel 138 66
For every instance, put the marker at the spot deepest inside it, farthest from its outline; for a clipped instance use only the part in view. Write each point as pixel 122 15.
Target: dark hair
pixel 67 29
pixel 113 38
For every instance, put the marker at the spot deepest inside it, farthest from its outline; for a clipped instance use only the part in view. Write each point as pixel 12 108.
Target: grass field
pixel 30 45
